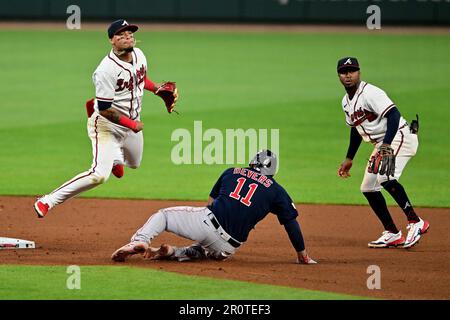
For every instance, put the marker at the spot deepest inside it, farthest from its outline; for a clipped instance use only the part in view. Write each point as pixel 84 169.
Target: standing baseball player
pixel 114 124
pixel 238 201
pixel 374 118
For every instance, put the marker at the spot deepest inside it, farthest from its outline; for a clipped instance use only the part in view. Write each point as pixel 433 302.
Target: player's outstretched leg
pixel 141 239
pixel 105 148
pixel 80 183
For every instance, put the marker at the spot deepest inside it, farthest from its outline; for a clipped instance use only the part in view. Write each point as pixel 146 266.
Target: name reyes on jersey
pixel 140 77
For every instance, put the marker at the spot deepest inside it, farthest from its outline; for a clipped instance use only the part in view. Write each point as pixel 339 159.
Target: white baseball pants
pixel 111 144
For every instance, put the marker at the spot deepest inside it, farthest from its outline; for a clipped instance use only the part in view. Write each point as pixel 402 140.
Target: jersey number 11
pixel 250 193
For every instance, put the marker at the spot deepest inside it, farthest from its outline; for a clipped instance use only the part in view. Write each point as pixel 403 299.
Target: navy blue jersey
pixel 243 197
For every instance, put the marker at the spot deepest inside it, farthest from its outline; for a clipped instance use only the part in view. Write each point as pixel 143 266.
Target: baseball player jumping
pixel 374 118
pixel 238 201
pixel 114 125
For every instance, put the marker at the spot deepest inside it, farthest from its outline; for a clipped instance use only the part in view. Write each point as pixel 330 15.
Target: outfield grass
pixel 227 80
pixel 101 282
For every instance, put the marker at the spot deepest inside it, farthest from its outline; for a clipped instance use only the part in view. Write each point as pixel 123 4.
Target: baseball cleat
pixel 306 260
pixel 128 250
pixel 165 251
pixel 416 230
pixel 118 170
pixel 388 239
pixel 41 208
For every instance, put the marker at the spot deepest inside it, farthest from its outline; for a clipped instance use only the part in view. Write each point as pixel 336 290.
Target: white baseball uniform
pixel 366 111
pixel 122 84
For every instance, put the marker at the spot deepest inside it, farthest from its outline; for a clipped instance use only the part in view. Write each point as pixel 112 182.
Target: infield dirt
pixel 87 231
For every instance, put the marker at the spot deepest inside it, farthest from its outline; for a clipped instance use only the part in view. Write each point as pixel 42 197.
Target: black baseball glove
pixel 383 162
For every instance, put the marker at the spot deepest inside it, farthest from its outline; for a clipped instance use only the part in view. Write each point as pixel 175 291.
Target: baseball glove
pixel 414 127
pixel 383 162
pixel 169 93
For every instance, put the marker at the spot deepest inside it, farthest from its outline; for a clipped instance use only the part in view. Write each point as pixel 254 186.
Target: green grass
pixel 101 282
pixel 227 80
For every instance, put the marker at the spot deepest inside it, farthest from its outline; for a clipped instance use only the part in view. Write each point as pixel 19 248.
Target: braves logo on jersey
pixel 122 82
pixel 122 85
pixel 369 103
pixel 140 76
pixel 360 115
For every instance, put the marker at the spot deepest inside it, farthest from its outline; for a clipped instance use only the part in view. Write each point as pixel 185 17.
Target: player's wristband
pixel 127 122
pixel 150 85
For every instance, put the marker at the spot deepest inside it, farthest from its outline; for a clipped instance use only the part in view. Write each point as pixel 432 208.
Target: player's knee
pixel 366 189
pixel 387 183
pixel 382 179
pixel 160 218
pixel 392 186
pixel 133 164
pixel 99 178
pixel 368 194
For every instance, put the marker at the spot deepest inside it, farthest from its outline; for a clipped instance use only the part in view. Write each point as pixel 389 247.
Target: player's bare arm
pixel 116 117
pixel 111 114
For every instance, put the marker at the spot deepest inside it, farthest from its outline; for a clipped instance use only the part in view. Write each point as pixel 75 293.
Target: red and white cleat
pixel 388 239
pixel 41 208
pixel 306 260
pixel 416 230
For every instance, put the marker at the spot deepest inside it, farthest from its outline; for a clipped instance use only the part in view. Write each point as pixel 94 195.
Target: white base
pixel 11 243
